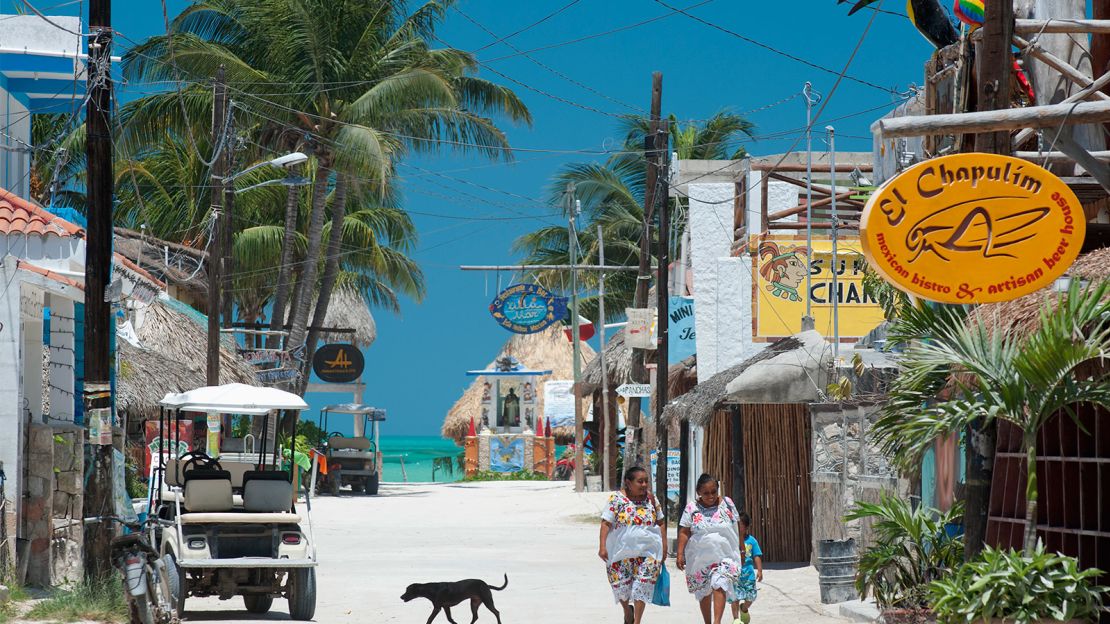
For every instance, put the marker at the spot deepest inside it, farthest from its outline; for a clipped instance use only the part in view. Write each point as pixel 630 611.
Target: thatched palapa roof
pixel 618 366
pixel 1023 315
pixel 172 357
pixel 348 310
pixel 547 350
pixel 699 404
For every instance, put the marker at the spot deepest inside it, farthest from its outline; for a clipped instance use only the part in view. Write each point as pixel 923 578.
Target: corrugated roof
pixel 19 216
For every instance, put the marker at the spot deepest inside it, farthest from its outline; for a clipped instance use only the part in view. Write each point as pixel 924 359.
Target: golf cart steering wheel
pixel 199 459
pixel 336 434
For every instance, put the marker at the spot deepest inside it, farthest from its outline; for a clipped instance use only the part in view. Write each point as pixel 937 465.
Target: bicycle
pixel 146 581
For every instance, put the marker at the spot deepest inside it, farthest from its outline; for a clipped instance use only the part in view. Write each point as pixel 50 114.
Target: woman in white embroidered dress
pixel 631 544
pixel 709 549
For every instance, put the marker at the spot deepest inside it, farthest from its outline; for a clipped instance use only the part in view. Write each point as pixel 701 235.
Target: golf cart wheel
pixel 175 578
pixel 372 484
pixel 302 593
pixel 257 603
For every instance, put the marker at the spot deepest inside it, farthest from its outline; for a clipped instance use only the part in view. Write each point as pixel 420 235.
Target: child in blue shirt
pixel 750 573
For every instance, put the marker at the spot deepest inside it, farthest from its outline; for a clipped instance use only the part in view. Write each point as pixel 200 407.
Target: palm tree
pixel 984 374
pixel 612 196
pixel 359 79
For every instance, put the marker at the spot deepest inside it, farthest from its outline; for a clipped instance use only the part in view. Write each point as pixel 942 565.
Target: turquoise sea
pixel 418 453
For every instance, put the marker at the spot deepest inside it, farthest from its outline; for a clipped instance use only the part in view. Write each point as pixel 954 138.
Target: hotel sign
pixel 338 363
pixel 527 308
pixel 973 228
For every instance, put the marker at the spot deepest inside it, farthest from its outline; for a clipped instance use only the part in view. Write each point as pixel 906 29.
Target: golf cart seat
pixel 355 448
pixel 337 443
pixel 208 491
pixel 267 491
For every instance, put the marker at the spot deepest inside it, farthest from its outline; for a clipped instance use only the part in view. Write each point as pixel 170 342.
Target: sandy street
pixel 543 535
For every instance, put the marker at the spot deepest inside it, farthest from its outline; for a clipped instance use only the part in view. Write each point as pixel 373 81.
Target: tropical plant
pixel 612 197
pixel 444 464
pixel 1019 588
pixel 355 83
pixel 520 475
pixel 984 375
pixel 912 549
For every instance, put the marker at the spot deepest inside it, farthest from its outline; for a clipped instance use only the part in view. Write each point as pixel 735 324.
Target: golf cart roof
pixel 375 414
pixel 234 398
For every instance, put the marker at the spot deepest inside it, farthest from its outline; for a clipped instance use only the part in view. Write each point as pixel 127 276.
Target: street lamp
pixel 287 161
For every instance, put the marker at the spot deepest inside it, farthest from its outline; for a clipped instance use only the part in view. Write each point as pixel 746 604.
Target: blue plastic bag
pixel 662 596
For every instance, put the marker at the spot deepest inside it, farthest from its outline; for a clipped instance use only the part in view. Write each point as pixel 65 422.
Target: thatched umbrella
pixel 172 357
pixel 348 310
pixel 682 377
pixel 1022 315
pixel 547 350
pixel 618 366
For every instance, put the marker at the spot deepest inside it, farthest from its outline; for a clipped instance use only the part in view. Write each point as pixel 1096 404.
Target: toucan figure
pixel 928 16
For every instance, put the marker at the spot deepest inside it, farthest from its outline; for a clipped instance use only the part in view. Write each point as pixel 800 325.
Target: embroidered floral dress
pixel 635 548
pixel 713 552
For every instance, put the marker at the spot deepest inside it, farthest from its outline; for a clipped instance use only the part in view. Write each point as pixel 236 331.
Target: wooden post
pixel 98 263
pixel 662 362
pixel 994 94
pixel 1000 122
pixel 634 453
pixel 995 66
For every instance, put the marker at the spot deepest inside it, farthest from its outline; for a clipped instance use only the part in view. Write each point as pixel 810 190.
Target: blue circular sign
pixel 527 308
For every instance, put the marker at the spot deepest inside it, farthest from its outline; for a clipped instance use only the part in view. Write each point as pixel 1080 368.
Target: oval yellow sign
pixel 972 228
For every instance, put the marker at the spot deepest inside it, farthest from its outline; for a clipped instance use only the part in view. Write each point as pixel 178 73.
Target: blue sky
pixel 416 369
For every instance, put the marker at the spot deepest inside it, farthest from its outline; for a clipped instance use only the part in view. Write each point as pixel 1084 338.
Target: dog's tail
pixel 503 586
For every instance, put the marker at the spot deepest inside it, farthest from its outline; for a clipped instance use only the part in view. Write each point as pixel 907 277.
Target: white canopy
pixel 234 398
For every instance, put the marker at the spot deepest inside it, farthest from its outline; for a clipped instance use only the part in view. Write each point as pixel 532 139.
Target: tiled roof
pixel 19 216
pixel 47 273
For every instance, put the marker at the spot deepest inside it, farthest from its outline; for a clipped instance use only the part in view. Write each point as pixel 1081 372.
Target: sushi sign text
pixel 527 308
pixel 973 228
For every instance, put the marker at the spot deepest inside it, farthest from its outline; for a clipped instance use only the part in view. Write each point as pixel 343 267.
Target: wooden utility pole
pixel 227 229
pixel 661 152
pixel 98 263
pixel 215 251
pixel 634 455
pixel 995 66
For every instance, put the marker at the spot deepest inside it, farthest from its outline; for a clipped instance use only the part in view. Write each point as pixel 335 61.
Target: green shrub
pixel 911 550
pixel 1021 589
pixel 522 475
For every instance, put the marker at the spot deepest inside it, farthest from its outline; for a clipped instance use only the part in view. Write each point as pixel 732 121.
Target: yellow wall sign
pixel 779 302
pixel 973 228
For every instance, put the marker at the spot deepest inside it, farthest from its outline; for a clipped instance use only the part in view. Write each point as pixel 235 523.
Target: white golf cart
pixel 231 525
pixel 354 461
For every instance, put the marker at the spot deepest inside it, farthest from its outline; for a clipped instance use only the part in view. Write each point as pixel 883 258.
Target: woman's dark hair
pixel 704 479
pixel 631 472
pixel 745 519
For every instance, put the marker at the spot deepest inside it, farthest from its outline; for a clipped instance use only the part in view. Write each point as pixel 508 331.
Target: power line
pixel 506 38
pixel 548 68
pixel 775 50
pixel 599 34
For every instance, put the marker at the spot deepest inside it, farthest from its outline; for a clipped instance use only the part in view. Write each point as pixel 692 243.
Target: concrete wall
pixel 11 421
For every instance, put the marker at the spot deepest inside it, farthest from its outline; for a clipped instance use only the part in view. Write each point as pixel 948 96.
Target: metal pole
pixel 807 91
pixel 610 433
pixel 835 228
pixel 572 247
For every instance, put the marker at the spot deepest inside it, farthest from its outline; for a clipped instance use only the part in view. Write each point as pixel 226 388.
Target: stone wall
pixel 847 468
pixel 51 519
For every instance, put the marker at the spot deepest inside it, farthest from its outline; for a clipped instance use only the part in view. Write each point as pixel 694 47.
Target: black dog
pixel 446 595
